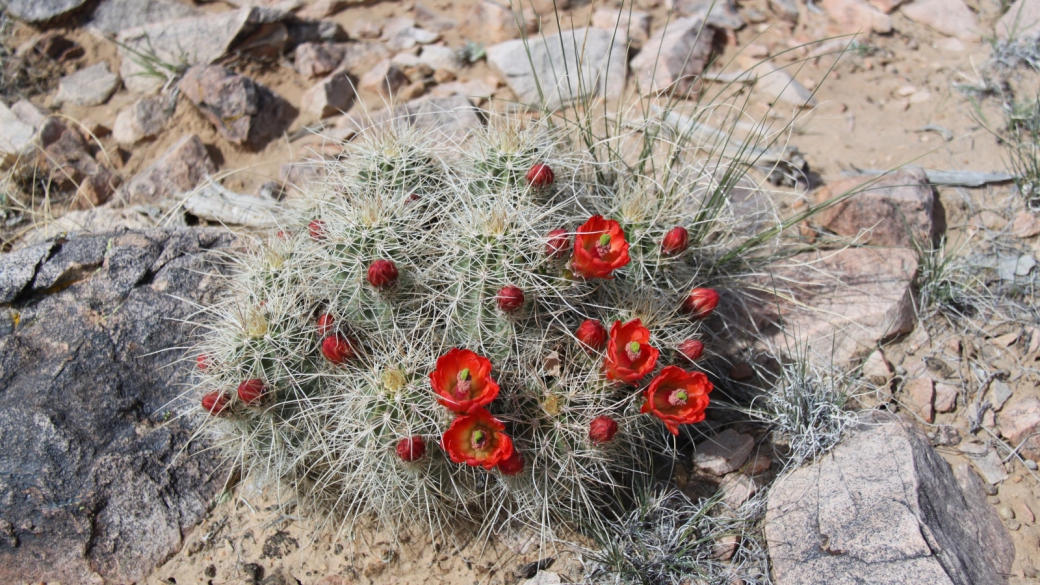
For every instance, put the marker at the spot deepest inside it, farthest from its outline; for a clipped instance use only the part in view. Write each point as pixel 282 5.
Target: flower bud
pixel 701 302
pixel 592 334
pixel 316 229
pixel 675 241
pixel 325 324
pixel 540 176
pixel 202 361
pixel 382 274
pixel 251 391
pixel 411 449
pixel 513 465
pixel 557 243
pixel 510 298
pixel 214 403
pixel 337 349
pixel 691 349
pixel 602 429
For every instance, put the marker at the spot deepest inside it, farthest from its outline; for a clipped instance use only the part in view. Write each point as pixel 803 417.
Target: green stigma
pixel 604 239
pixel 464 374
pixel 633 347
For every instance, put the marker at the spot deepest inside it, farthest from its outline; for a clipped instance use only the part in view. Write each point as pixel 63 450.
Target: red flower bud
pixel 557 243
pixel 337 349
pixel 325 324
pixel 592 334
pixel 214 403
pixel 701 302
pixel 251 391
pixel 602 429
pixel 411 449
pixel 382 274
pixel 202 361
pixel 513 465
pixel 540 176
pixel 691 349
pixel 510 298
pixel 675 241
pixel 317 230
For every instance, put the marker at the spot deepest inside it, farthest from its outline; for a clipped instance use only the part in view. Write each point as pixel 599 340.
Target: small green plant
pixel 154 66
pixel 1022 139
pixel 471 52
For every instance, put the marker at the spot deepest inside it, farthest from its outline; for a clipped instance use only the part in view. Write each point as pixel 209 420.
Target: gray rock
pixel 1021 21
pixel 543 578
pixel 181 168
pixel 91 86
pixel 787 9
pixel 16 136
pixel 316 59
pixel 893 211
pixel 144 119
pixel 329 97
pixel 41 11
pixel 634 23
pixel 674 57
pixel 96 476
pixel 494 22
pixel 113 16
pixel 20 268
pixel 600 71
pixel 723 453
pixel 986 460
pixel 243 111
pixel 884 508
pixel 945 397
pixel 718 13
pixel 66 158
pixel 999 392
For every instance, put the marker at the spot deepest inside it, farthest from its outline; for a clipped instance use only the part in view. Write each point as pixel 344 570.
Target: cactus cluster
pixel 502 331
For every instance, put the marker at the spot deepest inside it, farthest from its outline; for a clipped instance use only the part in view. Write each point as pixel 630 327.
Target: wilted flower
pixel 513 465
pixel 556 243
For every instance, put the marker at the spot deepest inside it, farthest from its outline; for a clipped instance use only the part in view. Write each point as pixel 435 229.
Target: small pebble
pixel 1031 465
pixel 1006 512
pixel 991 490
pixel 1016 479
pixel 994 500
pixel 1013 525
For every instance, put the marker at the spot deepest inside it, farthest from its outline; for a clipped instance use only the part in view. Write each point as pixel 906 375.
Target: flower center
pixel 603 247
pixel 678 398
pixel 479 440
pixel 632 350
pixel 465 384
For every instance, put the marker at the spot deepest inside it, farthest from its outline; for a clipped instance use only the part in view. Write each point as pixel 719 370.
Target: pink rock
pixel 945 397
pixel 1026 513
pixel 329 97
pixel 316 59
pixel 950 17
pixel 723 453
pixel 1025 225
pixel 322 9
pixel 725 547
pixel 855 16
pixel 877 370
pixel 922 391
pixel 1022 20
pixel 674 57
pixel 737 488
pixel 493 22
pixel 178 170
pixel 384 79
pixel 885 6
pixel 1020 420
pixel 635 23
pixel 243 111
pixel 893 211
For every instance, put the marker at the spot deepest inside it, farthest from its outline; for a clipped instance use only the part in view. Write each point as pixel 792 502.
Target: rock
pixel 737 488
pixel 999 392
pixel 855 16
pixel 1025 225
pixel 385 79
pixel 945 397
pixel 280 577
pixel 41 11
pixel 723 453
pixel 848 301
pixel 243 111
pixel 779 86
pixel 635 24
pixel 91 86
pixel 725 547
pixel 52 45
pixel 144 119
pixel 1018 422
pixel 896 210
pixel 358 57
pixel 986 461
pixel 950 17
pixel 717 13
pixel 110 482
pixel 432 21
pixel 317 59
pixel 113 16
pixel 322 9
pixel 949 45
pixel 439 57
pixel 884 508
pixel 1021 21
pixel 213 202
pixel 786 9
pixel 181 168
pixel 476 90
pixel 28 113
pixel 885 6
pixel 922 392
pixel 491 22
pixel 401 34
pixel 674 57
pixel 878 371
pixel 70 165
pixel 329 97
pixel 918 341
pixel 17 138
pixel 543 578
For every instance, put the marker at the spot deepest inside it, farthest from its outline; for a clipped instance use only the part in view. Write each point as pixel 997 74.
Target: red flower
pixel 382 274
pixel 540 176
pixel 599 248
pixel 202 361
pixel 337 349
pixel 701 302
pixel 592 335
pixel 675 241
pixel 691 349
pixel 677 397
pixel 325 323
pixel 316 229
pixel 251 391
pixel 629 355
pixel 215 403
pixel 477 439
pixel 462 381
pixel 510 298
pixel 513 465
pixel 557 242
pixel 602 429
pixel 411 449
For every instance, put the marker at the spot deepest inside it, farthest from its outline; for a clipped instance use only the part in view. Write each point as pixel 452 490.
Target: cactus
pixel 429 343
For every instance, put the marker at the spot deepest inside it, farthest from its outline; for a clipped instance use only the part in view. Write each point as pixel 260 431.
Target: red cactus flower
pixel 701 302
pixel 675 241
pixel 202 361
pixel 477 439
pixel 540 176
pixel 252 391
pixel 411 449
pixel 325 324
pixel 462 381
pixel 602 429
pixel 556 243
pixel 382 274
pixel 599 248
pixel 337 349
pixel 215 403
pixel 513 465
pixel 592 334
pixel 510 298
pixel 316 229
pixel 677 397
pixel 691 349
pixel 629 354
